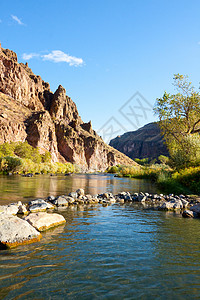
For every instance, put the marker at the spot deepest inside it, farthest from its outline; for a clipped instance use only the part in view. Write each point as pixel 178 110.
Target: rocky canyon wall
pixel 29 111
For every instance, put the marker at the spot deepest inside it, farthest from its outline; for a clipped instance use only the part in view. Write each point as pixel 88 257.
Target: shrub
pixel 70 168
pixel 142 161
pixel 46 157
pixel 23 158
pixel 7 149
pixel 9 164
pixel 24 150
pixel 113 169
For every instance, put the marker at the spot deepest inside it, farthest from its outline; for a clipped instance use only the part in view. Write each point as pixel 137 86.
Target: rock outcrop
pixel 145 142
pixel 29 111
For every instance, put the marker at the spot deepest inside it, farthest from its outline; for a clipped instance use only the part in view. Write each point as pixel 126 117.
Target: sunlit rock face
pixel 29 111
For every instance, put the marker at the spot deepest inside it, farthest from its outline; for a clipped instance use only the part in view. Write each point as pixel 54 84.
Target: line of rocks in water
pixel 39 215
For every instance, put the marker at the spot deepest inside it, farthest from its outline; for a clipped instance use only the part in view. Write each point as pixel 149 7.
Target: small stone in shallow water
pixel 88 197
pixel 22 209
pixel 189 214
pixel 60 201
pixel 142 198
pixel 73 195
pixel 105 195
pixel 80 202
pixel 39 205
pixel 80 192
pixel 171 205
pixel 51 198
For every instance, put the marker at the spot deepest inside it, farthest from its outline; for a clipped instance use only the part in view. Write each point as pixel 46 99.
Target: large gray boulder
pixel 15 231
pixel 43 220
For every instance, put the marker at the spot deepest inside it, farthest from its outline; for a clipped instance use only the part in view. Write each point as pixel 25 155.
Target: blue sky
pixel 104 52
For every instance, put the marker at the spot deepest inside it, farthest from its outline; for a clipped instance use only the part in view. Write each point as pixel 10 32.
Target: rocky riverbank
pixel 23 223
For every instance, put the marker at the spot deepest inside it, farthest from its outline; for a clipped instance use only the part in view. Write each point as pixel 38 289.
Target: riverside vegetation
pixel 179 120
pixel 168 179
pixel 22 158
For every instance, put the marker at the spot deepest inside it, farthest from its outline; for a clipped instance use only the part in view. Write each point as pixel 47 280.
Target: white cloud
pixel 26 56
pixel 15 18
pixel 60 56
pixel 56 56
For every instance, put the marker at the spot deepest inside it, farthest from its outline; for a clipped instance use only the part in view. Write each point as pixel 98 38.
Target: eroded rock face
pixel 18 81
pixel 41 133
pixel 50 121
pixel 144 142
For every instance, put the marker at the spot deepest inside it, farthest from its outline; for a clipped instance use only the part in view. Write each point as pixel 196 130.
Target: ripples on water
pixel 117 252
pixel 15 188
pixel 114 252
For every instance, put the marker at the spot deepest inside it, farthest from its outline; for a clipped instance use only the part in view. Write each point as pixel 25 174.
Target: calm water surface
pixel 114 252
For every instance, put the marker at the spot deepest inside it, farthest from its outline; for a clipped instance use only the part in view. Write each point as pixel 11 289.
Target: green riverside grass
pixel 185 181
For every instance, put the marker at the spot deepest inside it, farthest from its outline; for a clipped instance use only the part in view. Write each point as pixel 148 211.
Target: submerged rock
pixel 15 231
pixel 43 220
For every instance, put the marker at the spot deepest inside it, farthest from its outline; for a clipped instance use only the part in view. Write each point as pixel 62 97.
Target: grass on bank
pixel 21 158
pixel 185 181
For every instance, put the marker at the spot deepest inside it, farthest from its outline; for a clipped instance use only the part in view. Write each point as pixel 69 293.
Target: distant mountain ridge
pixel 146 141
pixel 29 111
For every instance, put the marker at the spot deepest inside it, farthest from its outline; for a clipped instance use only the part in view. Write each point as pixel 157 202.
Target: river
pixel 114 252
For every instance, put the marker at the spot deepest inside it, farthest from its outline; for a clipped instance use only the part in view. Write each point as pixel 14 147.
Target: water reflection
pixel 15 188
pixel 107 253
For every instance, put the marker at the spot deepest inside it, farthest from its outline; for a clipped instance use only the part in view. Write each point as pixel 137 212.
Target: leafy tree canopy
pixel 179 116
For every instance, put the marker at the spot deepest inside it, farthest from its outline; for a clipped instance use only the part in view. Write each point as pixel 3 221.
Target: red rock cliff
pixel 30 111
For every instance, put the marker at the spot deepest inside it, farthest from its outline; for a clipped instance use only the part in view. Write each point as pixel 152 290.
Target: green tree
pixel 179 116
